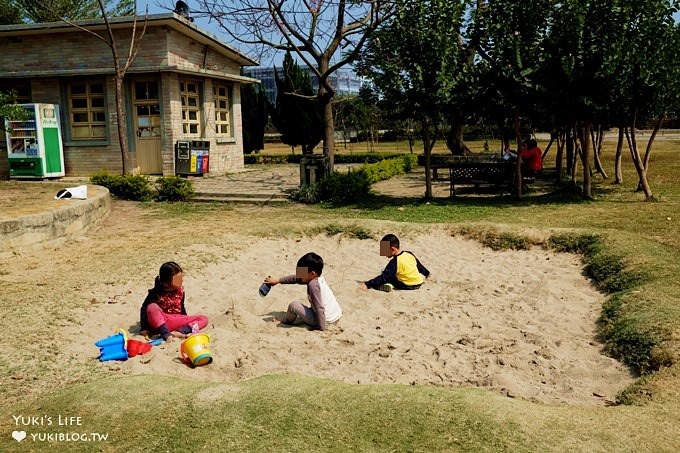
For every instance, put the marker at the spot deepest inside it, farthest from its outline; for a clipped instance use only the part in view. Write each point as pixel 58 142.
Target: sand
pixel 521 323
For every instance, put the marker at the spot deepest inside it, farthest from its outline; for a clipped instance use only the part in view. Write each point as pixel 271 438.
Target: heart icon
pixel 19 435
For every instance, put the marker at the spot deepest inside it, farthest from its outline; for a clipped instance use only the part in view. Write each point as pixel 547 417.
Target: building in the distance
pixel 343 81
pixel 183 87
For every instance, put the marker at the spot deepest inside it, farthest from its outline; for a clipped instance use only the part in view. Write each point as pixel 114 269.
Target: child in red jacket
pixel 163 309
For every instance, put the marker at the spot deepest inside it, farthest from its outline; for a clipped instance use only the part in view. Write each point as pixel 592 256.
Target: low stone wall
pixel 70 218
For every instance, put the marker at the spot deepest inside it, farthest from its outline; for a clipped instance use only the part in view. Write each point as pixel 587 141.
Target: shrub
pixel 104 179
pixel 173 188
pixel 345 188
pixel 355 185
pixel 385 169
pixel 308 194
pixel 125 187
pixel 133 187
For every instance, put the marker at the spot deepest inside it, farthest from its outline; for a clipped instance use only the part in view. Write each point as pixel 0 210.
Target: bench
pixel 497 173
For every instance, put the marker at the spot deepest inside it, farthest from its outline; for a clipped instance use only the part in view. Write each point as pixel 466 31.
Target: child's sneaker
pixel 387 287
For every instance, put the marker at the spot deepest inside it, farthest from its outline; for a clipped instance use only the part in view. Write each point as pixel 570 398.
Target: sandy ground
pixel 522 323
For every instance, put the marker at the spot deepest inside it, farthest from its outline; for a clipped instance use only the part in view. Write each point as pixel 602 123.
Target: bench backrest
pixel 481 172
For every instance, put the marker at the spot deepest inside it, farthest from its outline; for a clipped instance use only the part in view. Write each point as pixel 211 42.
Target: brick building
pixel 183 85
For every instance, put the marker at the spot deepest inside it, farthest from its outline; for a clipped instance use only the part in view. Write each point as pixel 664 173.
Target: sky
pixel 205 24
pixel 165 6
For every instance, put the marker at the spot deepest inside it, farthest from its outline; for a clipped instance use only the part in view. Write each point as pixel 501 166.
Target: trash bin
pixel 182 158
pixel 313 168
pixel 192 158
pixel 200 157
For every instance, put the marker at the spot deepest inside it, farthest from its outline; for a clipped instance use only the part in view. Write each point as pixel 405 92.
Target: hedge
pixel 354 158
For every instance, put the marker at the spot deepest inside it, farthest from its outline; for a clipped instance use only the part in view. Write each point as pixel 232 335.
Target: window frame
pixel 89 109
pixel 228 88
pixel 186 97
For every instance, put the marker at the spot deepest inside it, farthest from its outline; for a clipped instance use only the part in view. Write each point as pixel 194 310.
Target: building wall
pixel 85 52
pixel 171 109
pixel 161 46
pixel 188 54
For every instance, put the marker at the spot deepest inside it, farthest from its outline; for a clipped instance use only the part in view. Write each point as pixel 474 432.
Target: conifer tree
pixel 297 114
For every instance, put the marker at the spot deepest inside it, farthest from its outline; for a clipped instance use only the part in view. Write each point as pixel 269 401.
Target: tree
pixel 359 113
pixel 56 10
pixel 254 111
pixel 512 36
pixel 297 115
pixel 414 63
pixel 120 67
pixel 650 70
pixel 10 13
pixel 316 30
pixel 9 109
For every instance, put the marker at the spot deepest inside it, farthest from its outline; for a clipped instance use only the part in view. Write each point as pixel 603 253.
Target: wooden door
pixel 147 119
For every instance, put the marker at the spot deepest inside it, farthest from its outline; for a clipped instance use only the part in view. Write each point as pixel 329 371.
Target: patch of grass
pixel 574 243
pixel 296 413
pixel 610 272
pixel 494 239
pixel 352 231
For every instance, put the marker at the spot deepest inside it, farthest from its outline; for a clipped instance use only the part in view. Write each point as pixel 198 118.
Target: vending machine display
pixel 34 146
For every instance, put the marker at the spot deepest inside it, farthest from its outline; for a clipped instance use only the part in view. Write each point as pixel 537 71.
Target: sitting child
pixel 324 308
pixel 404 271
pixel 163 309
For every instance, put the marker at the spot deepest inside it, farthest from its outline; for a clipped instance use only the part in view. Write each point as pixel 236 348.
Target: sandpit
pixel 521 323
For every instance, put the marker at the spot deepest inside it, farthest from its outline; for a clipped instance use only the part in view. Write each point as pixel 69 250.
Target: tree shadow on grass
pixel 474 198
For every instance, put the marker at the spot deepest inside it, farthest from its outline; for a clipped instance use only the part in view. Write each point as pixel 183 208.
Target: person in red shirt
pixel 163 309
pixel 532 158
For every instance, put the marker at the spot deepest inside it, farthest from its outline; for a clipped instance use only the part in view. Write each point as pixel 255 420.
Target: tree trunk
pixel 122 125
pixel 648 150
pixel 518 160
pixel 575 151
pixel 325 97
pixel 553 136
pixel 569 142
pixel 618 173
pixel 586 149
pixel 597 137
pixel 328 133
pixel 455 142
pixel 637 160
pixel 559 156
pixel 427 148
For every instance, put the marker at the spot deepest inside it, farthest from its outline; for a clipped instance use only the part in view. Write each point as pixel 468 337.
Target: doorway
pixel 147 129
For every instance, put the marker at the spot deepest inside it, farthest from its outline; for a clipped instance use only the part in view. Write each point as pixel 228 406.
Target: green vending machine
pixel 34 146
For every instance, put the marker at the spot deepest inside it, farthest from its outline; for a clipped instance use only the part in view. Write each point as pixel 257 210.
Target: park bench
pixel 476 169
pixel 496 173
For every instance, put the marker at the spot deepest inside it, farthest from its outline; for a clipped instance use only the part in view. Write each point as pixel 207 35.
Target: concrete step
pixel 219 198
pixel 268 196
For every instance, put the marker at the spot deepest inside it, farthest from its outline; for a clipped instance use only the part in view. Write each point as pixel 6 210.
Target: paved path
pixel 274 183
pixel 264 181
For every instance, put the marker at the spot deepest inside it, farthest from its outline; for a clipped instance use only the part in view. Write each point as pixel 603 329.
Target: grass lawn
pixel 639 259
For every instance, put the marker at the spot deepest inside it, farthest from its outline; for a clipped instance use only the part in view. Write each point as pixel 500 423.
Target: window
pixel 147 109
pixel 191 113
pixel 222 109
pixel 20 94
pixel 87 110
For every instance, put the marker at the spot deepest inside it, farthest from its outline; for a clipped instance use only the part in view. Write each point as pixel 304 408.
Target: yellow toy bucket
pixel 195 350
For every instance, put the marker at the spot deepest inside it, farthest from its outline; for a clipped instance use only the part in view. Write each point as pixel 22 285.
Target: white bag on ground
pixel 79 192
